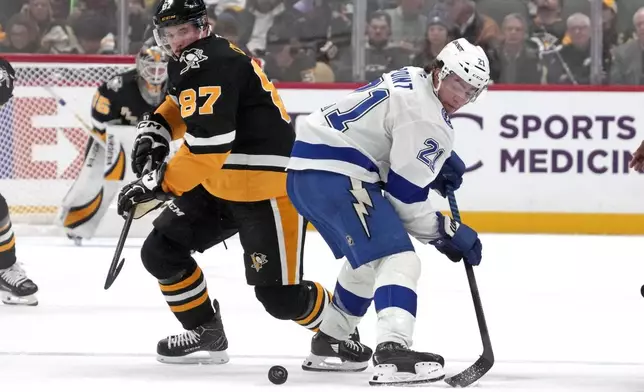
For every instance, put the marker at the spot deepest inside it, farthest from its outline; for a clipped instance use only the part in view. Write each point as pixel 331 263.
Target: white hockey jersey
pixel 394 131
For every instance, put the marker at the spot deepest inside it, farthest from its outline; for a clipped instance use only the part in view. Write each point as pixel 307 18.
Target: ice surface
pixel 564 312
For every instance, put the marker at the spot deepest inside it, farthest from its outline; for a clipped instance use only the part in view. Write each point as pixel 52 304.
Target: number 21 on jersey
pixel 340 120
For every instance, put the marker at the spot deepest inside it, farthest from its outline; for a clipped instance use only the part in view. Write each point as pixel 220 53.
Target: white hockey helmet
pixel 468 62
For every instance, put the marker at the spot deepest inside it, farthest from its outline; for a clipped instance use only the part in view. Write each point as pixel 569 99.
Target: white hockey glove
pixel 152 144
pixel 143 195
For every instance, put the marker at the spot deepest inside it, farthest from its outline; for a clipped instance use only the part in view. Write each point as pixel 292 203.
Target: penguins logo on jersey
pixel 192 58
pixel 5 78
pixel 258 259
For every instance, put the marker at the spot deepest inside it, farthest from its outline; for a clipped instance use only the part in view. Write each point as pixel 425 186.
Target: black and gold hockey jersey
pixel 118 101
pixel 237 133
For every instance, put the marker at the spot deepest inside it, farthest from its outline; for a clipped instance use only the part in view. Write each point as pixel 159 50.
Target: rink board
pixel 538 161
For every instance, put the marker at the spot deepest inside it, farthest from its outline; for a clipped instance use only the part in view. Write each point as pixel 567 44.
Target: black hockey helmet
pixel 176 12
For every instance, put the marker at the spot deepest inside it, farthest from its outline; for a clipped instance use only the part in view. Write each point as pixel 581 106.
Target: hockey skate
pixel 78 240
pixel 205 344
pixel 16 288
pixel 395 364
pixel 332 355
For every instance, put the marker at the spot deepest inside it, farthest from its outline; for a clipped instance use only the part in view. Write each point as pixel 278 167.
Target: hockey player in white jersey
pixel 360 172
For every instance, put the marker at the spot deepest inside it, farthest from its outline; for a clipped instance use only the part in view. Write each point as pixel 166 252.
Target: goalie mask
pixel 7 77
pixel 151 66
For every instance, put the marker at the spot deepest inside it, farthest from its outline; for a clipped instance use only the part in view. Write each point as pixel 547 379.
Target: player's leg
pixel 358 222
pixel 272 235
pixel 193 222
pixel 92 192
pixel 15 287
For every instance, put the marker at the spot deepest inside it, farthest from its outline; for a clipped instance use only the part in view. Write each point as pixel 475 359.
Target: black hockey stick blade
pixel 115 267
pixel 473 373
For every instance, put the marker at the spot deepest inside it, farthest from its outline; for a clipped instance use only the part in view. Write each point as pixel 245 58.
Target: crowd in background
pixel 527 41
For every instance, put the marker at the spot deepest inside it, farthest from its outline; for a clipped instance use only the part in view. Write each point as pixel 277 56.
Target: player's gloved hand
pixel 143 195
pixel 7 76
pixel 457 241
pixel 451 174
pixel 152 144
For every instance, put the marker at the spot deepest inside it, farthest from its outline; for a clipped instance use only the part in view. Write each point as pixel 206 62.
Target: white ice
pixel 564 312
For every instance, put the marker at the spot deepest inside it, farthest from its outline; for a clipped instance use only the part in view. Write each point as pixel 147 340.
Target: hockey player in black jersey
pixel 228 176
pixel 121 100
pixel 15 287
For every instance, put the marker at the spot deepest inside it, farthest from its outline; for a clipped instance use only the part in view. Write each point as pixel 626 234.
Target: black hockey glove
pixel 152 144
pixel 7 76
pixel 143 195
pixel 457 241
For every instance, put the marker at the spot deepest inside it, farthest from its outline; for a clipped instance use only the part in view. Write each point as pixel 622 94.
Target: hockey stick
pixel 85 126
pixel 116 266
pixel 486 361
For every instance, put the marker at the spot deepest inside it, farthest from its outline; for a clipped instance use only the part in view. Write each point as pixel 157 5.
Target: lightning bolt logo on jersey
pixel 363 200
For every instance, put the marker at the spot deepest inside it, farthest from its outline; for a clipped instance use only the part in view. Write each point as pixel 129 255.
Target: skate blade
pixel 197 358
pixel 316 363
pixel 426 372
pixel 10 299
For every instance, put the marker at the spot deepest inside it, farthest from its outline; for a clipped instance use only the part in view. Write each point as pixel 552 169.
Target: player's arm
pixel 417 157
pixel 209 111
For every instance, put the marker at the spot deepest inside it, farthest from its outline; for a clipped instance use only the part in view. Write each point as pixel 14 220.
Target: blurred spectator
pixel 546 18
pixel 212 17
pixel 520 61
pixel 22 35
pixel 478 29
pixel 436 37
pixel 380 54
pixel 612 37
pixel 93 34
pixel 571 65
pixel 227 27
pixel 9 8
pixel 138 22
pixel 256 20
pixel 54 36
pixel 408 24
pixel 323 72
pixel 61 9
pixel 627 61
pixel 105 8
pixel 288 63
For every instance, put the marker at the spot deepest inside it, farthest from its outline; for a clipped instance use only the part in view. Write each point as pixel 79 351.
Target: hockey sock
pixel 319 299
pixel 187 295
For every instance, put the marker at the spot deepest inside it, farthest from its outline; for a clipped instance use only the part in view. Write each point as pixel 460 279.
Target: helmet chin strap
pixel 440 78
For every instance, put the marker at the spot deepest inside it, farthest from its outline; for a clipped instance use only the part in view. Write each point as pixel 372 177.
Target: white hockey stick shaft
pixel 85 126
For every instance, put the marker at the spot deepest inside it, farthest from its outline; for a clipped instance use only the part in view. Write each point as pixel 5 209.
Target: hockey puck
pixel 277 374
pixel 642 291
